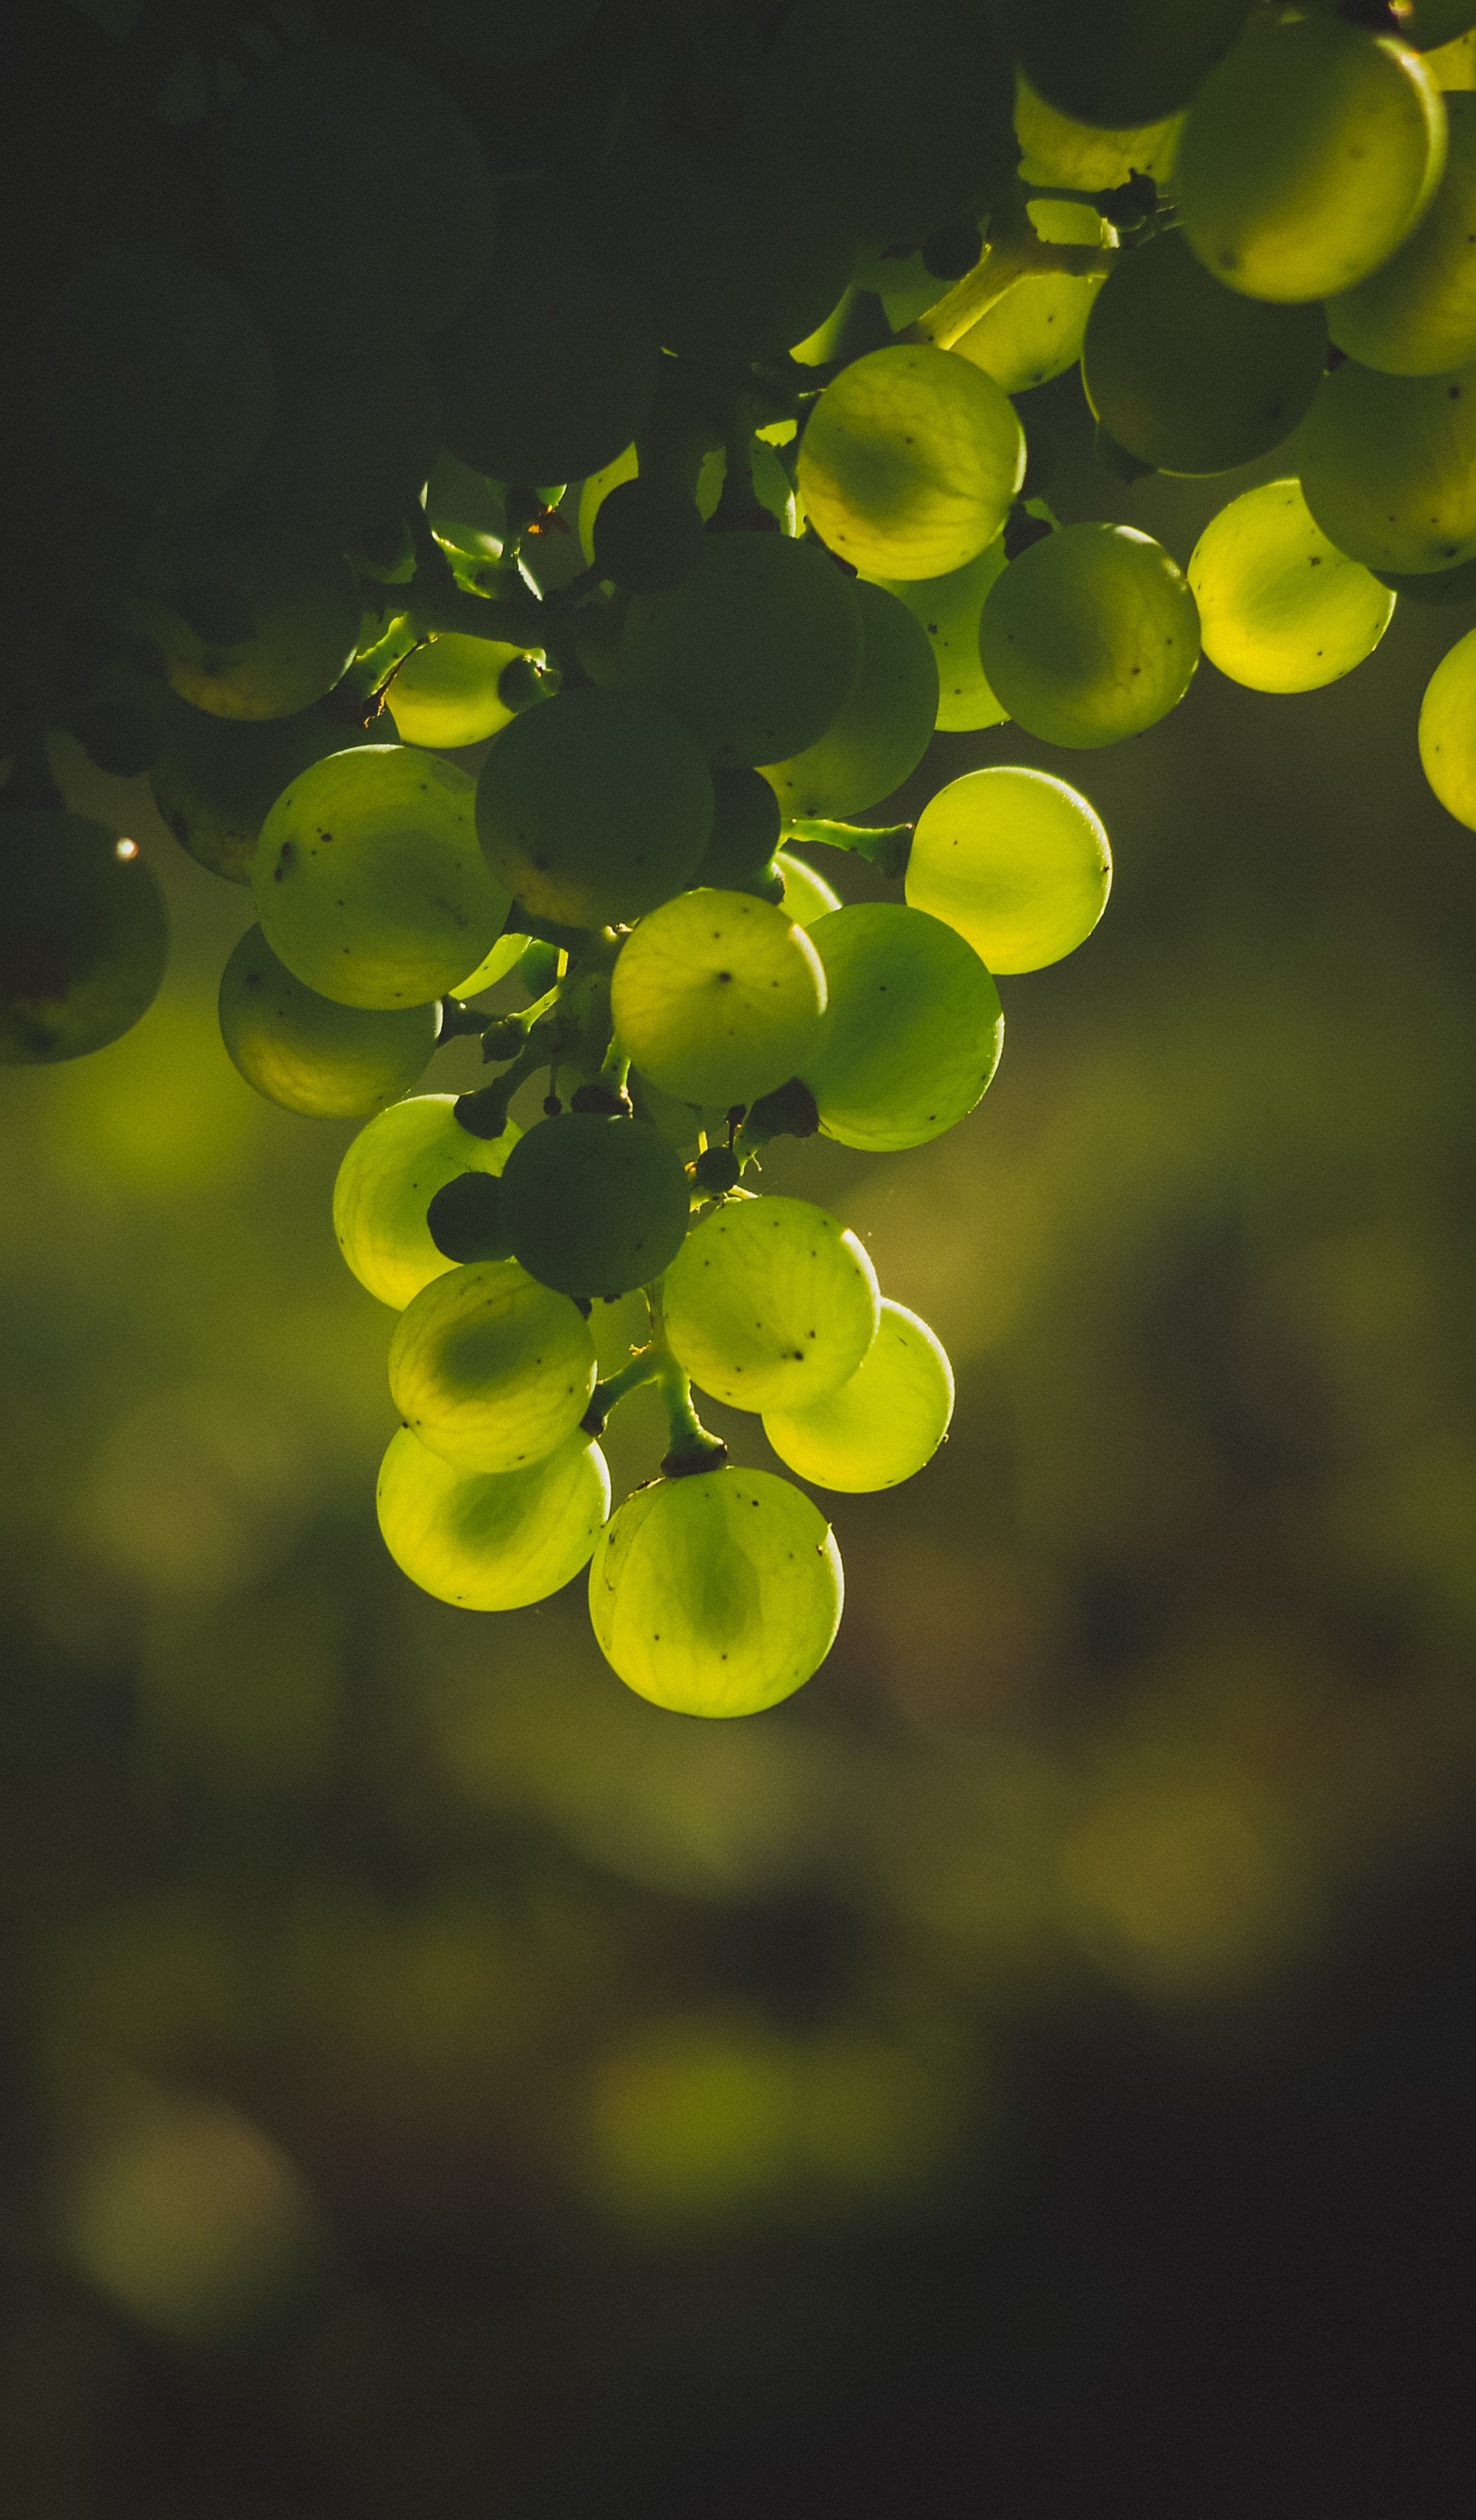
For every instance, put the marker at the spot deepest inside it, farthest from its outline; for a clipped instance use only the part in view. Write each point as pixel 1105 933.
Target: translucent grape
pixel 386 1182
pixel 595 1205
pixel 446 695
pixel 368 883
pixel 1090 635
pixel 490 1369
pixel 1388 467
pixel 306 1054
pixel 909 461
pixel 1015 860
pixel 501 959
pixel 1080 156
pixel 492 1540
pixel 1307 157
pixel 83 936
pixel 716 998
pixel 594 807
pixel 552 369
pixel 1034 332
pixel 881 731
pixel 216 779
pixel 1187 375
pixel 755 652
pixel 807 896
pixel 1125 66
pixel 1447 731
pixel 884 1423
pixel 1280 608
pixel 249 625
pixel 770 1303
pixel 718 1594
pixel 912 1031
pixel 949 609
pixel 1415 316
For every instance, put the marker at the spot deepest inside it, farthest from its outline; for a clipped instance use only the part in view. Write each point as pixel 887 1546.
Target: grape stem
pixel 888 847
pixel 1013 252
pixel 690 1446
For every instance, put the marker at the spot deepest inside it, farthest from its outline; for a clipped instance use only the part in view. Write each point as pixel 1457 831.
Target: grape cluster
pixel 660 436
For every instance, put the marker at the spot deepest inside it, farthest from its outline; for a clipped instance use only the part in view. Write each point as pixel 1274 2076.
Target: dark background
pixel 1030 2071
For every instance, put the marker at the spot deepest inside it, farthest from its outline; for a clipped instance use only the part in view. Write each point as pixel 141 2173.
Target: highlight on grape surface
pixel 683 460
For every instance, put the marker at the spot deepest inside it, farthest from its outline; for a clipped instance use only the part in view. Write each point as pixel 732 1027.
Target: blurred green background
pixel 1034 2065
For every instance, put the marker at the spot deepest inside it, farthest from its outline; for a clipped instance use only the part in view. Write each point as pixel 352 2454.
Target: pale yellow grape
pixel 1447 731
pixel 306 1054
pixel 504 957
pixel 1415 316
pixel 1090 635
pixel 1280 608
pixel 1034 332
pixel 716 997
pixel 1388 467
pixel 1016 861
pixel 1076 156
pixel 770 1303
pixel 489 1368
pixel 445 693
pixel 912 1032
pixel 388 1180
pixel 807 896
pixel 716 1595
pixel 909 461
pixel 883 1424
pixel 492 1540
pixel 1307 157
pixel 949 610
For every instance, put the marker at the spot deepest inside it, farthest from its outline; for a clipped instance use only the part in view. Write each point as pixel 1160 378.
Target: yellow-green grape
pixel 716 998
pixel 489 1368
pixel 1416 315
pixel 718 1594
pixel 594 807
pixel 1388 467
pixel 1016 861
pixel 807 896
pixel 755 652
pixel 504 957
pixel 1453 65
pixel 248 626
pixel 949 609
pixel 388 1180
pixel 882 1426
pixel 770 1303
pixel 909 461
pixel 303 1052
pixel 1447 731
pixel 1034 332
pixel 1054 149
pixel 881 733
pixel 445 693
pixel 912 1032
pixel 598 487
pixel 1124 64
pixel 492 1540
pixel 1188 376
pixel 369 881
pixel 1307 157
pixel 1090 635
pixel 1280 608
pixel 216 779
pixel 84 936
pixel 593 1204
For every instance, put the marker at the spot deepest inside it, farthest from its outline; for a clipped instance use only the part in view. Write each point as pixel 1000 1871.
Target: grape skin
pixel 492 1540
pixel 716 998
pixel 387 1180
pixel 912 1032
pixel 1090 636
pixel 909 461
pixel 489 1368
pixel 1446 753
pixel 1280 608
pixel 881 1426
pixel 770 1303
pixel 307 1055
pixel 1016 861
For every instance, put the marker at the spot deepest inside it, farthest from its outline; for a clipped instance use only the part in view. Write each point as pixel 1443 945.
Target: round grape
pixel 1090 635
pixel 308 1054
pixel 1016 861
pixel 881 733
pixel 489 1368
pixel 909 460
pixel 594 807
pixel 716 998
pixel 594 1204
pixel 492 1540
pixel 882 1426
pixel 1388 467
pixel 1447 731
pixel 446 695
pixel 912 1031
pixel 770 1303
pixel 949 609
pixel 388 1179
pixel 755 652
pixel 1280 608
pixel 83 936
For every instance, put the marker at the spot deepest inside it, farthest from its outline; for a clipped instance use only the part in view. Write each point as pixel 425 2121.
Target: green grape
pixel 1415 316
pixel 770 1303
pixel 549 371
pixel 490 1369
pixel 1124 66
pixel 504 957
pixel 1090 635
pixel 597 489
pixel 1034 332
pixel 465 1219
pixel 249 625
pixel 882 1426
pixel 368 883
pixel 83 936
pixel 358 197
pixel 1280 608
pixel 1388 467
pixel 308 1054
pixel 746 828
pixel 1016 861
pixel 1447 731
pixel 445 693
pixel 1188 376
pixel 755 652
pixel 949 609
pixel 595 1205
pixel 716 998
pixel 594 807
pixel 912 1031
pixel 1307 157
pixel 160 382
pixel 216 779
pixel 386 1182
pixel 909 461
pixel 647 536
pixel 881 733
pixel 807 896
pixel 1081 157
pixel 492 1540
